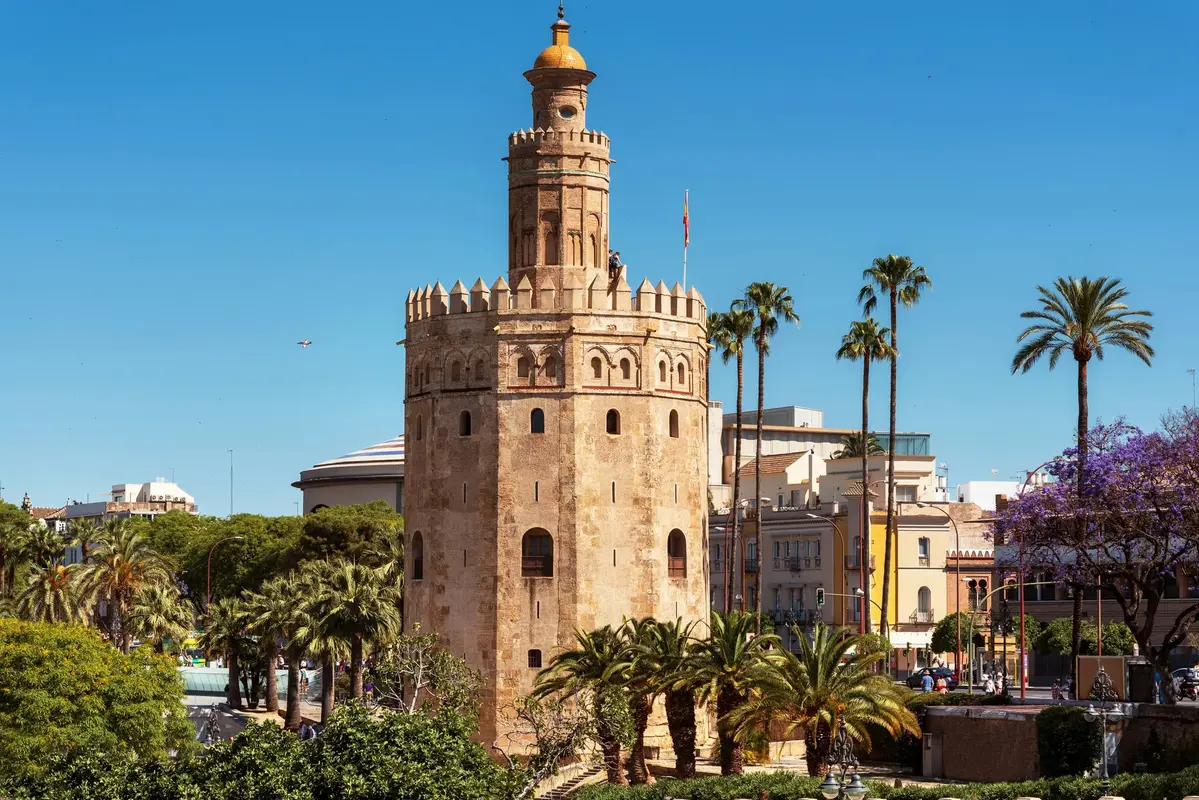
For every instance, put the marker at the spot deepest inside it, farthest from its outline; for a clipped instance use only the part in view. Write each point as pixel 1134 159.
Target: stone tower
pixel 555 423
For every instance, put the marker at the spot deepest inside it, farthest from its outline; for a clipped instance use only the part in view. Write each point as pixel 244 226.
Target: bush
pixel 1067 744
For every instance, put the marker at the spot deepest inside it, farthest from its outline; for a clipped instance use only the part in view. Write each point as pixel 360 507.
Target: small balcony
pixel 790 616
pixel 537 566
pixel 751 565
pixel 854 561
pixel 676 567
pixel 922 617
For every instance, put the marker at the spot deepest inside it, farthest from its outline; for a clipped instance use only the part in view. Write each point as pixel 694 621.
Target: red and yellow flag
pixel 686 222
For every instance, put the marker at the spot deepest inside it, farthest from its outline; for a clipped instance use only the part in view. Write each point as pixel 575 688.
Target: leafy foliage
pixel 945 634
pixel 1067 744
pixel 851 446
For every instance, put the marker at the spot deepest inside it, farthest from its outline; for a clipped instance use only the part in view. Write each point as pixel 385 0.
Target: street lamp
pixel 841 758
pixel 1108 711
pixel 208 589
pixel 1023 644
pixel 957 592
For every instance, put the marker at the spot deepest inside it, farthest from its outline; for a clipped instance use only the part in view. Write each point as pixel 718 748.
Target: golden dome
pixel 560 55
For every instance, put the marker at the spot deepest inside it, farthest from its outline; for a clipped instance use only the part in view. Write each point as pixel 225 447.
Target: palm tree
pixel 770 305
pixel 276 612
pixel 14 535
pixel 52 594
pixel 81 533
pixel 356 607
pixel 590 671
pixel 225 635
pixel 159 613
pixel 310 639
pixel 738 326
pixel 121 564
pixel 851 446
pixel 896 277
pixel 865 342
pixel 638 677
pixel 43 546
pixel 819 688
pixel 1082 316
pixel 720 337
pixel 726 666
pixel 663 655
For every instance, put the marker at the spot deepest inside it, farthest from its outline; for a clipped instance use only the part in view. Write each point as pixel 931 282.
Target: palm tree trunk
pixel 680 719
pixel 758 540
pixel 637 770
pixel 292 718
pixel 272 680
pixel 884 622
pixel 610 752
pixel 731 762
pixel 356 667
pixel 864 548
pixel 731 566
pixel 233 693
pixel 1076 621
pixel 816 747
pixel 328 679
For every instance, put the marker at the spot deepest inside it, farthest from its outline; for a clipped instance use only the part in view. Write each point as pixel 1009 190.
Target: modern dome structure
pixel 363 476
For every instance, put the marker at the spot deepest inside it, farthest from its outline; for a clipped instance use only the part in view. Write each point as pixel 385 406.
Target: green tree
pixel 81 533
pixel 736 326
pixel 161 616
pixel 1082 316
pixel 64 691
pixel 122 564
pixel 350 532
pixel 417 674
pixel 866 342
pixel 590 671
pixel 43 546
pixel 274 613
pixel 356 607
pixel 901 281
pixel 819 688
pixel 664 655
pixel 52 594
pixel 851 446
pixel 14 534
pixel 726 665
pixel 225 635
pixel 945 633
pixel 770 305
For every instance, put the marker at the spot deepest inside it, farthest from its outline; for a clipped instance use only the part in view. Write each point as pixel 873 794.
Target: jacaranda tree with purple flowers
pixel 1129 524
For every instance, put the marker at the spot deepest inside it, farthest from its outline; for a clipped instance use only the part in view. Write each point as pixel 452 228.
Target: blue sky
pixel 188 189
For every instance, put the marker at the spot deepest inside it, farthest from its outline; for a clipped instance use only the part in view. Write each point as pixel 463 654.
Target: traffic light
pixel 819 596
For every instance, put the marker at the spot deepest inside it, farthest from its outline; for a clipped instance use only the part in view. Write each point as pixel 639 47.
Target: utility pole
pixel 230 484
pixel 1192 371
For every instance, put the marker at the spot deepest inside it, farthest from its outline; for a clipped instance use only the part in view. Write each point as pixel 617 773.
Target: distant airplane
pixel 304 343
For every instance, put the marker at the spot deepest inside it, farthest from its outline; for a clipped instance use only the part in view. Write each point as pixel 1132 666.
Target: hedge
pixel 788 786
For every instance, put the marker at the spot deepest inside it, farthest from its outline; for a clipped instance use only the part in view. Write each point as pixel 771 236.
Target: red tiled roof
pixel 45 512
pixel 771 465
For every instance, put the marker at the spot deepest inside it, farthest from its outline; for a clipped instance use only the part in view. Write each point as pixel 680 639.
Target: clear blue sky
pixel 187 189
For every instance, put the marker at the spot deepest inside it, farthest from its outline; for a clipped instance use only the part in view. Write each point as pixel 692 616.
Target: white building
pixel 363 476
pixel 984 493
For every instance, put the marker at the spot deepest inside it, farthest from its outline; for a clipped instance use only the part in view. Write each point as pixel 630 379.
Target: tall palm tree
pixel 276 612
pixel 81 533
pixel 738 327
pixel 865 342
pixel 225 635
pixel 770 305
pixel 851 446
pixel 1082 316
pixel 52 594
pixel 726 665
pixel 121 564
pixel 356 607
pixel 820 687
pixel 43 545
pixel 159 613
pixel 637 674
pixel 720 338
pixel 664 655
pixel 590 671
pixel 901 282
pixel 14 534
pixel 311 639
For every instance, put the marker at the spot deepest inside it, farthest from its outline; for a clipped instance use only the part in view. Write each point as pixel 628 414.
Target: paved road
pixel 224 725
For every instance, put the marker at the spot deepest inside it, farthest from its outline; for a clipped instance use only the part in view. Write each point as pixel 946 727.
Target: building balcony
pixel 922 617
pixel 751 565
pixel 854 561
pixel 537 566
pixel 789 616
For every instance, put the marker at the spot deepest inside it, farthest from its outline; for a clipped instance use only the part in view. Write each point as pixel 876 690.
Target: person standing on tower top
pixel 614 263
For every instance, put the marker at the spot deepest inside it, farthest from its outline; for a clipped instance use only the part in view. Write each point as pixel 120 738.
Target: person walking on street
pixel 926 683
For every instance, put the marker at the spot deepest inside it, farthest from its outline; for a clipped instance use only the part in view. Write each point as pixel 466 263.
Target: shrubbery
pixel 1066 743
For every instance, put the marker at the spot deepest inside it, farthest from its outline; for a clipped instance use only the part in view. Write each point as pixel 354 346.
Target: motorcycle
pixel 1189 690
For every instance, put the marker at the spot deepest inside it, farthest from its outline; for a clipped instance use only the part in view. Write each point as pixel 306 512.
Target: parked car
pixel 937 672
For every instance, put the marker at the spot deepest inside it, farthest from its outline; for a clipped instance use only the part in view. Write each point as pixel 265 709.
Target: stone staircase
pixel 568 789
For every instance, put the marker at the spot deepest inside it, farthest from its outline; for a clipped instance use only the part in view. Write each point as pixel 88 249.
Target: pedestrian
pixel 1055 690
pixel 989 685
pixel 942 686
pixel 926 683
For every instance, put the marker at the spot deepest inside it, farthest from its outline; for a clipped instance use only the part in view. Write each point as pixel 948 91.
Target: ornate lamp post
pixel 841 759
pixel 1107 711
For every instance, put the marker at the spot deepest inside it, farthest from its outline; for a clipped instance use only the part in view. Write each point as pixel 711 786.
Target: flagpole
pixel 686 236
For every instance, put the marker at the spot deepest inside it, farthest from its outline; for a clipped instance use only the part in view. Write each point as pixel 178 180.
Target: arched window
pixel 613 421
pixel 682 375
pixel 426 374
pixel 537 421
pixel 456 371
pixel 978 594
pixel 662 372
pixel 464 424
pixel 550 368
pixel 674 424
pixel 418 556
pixel 626 369
pixel 597 368
pixel 537 554
pixel 479 370
pixel 676 554
pixel 420 427
pixel 522 367
pixel 534 659
pixel 924 602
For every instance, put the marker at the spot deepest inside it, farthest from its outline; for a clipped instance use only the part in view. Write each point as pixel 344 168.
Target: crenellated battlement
pixel 600 296
pixel 541 136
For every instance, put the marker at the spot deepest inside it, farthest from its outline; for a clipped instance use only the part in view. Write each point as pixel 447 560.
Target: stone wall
pixel 985 744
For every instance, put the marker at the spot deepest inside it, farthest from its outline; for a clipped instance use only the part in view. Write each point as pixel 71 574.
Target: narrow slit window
pixel 464 428
pixel 613 422
pixel 626 369
pixel 674 424
pixel 537 421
